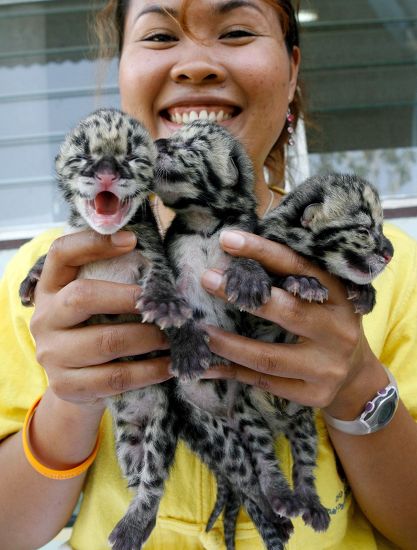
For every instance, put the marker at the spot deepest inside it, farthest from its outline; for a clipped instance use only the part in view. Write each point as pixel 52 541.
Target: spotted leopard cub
pixel 206 177
pixel 335 221
pixel 105 170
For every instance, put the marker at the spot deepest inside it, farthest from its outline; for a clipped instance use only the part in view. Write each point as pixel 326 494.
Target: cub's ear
pixel 311 212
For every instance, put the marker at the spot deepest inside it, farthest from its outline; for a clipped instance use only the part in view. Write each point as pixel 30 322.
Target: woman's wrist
pixel 352 397
pixel 63 434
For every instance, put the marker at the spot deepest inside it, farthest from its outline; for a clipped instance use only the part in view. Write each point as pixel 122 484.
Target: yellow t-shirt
pixel 191 490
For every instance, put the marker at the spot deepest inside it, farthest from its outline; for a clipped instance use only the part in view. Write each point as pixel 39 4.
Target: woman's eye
pixel 238 33
pixel 160 37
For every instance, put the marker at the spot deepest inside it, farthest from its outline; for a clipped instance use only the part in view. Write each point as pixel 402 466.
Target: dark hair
pixel 109 28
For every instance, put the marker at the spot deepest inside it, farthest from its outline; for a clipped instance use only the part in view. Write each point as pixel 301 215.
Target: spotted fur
pixel 336 221
pixel 205 176
pixel 105 170
pixel 193 178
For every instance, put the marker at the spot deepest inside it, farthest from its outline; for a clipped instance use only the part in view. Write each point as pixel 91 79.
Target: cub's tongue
pixel 106 203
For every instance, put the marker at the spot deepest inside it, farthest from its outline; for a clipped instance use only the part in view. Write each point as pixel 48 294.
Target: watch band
pixel 378 412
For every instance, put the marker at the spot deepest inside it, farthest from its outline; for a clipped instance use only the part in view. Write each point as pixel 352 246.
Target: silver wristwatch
pixel 376 415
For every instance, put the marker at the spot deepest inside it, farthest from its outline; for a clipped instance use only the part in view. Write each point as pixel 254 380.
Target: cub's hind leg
pixel 146 471
pixel 301 433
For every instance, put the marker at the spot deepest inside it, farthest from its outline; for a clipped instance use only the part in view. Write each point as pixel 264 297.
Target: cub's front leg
pixel 160 301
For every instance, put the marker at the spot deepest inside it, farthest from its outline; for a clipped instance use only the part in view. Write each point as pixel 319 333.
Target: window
pixel 360 71
pixel 48 82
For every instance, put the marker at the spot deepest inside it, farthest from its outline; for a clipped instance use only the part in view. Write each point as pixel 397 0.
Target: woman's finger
pixel 259 356
pixel 69 252
pixel 89 384
pixel 96 344
pixel 286 388
pixel 82 298
pixel 289 312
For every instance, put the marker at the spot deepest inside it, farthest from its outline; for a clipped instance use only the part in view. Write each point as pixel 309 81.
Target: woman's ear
pixel 295 60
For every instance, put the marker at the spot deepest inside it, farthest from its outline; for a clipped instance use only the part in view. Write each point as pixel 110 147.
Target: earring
pixel 290 127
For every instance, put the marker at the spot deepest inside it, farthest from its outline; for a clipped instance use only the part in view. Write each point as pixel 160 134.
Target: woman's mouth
pixel 185 115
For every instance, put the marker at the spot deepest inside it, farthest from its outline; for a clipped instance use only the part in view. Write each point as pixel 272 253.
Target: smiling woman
pixel 235 62
pixel 234 66
pixel 252 45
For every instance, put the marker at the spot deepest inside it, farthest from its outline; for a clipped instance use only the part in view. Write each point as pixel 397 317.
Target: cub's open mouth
pixel 106 203
pixel 107 210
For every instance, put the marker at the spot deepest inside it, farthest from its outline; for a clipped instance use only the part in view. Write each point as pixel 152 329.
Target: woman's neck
pixel 267 199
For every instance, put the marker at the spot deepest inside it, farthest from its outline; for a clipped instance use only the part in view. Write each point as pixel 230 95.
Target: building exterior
pixel 359 69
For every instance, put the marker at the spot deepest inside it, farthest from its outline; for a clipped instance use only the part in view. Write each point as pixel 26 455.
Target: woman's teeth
pixel 185 118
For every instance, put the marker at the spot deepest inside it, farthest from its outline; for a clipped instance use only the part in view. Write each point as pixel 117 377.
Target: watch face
pixel 385 412
pixel 380 410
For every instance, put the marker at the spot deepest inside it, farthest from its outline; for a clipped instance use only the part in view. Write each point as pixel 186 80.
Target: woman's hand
pixel 321 369
pixel 81 361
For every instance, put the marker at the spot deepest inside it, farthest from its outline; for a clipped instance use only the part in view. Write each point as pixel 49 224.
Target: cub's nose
pixel 106 172
pixel 387 250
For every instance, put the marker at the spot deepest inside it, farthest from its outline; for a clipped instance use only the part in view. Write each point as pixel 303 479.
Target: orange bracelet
pixel 44 470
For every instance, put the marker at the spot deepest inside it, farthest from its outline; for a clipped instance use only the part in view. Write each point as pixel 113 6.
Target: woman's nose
pixel 198 69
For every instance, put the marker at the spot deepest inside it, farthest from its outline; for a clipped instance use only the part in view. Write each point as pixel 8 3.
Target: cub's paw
pixel 307 288
pixel 28 285
pixel 131 533
pixel 165 311
pixel 362 296
pixel 284 527
pixel 314 513
pixel 284 505
pixel 248 286
pixel 190 354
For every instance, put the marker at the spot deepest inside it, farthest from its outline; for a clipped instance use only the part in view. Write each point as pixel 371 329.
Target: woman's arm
pixel 65 425
pixel 331 367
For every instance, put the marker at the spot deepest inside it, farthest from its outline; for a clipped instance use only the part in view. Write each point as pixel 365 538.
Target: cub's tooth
pixel 227 116
pixel 178 118
pixel 212 117
pixel 220 116
pixel 193 116
pixel 185 118
pixel 203 115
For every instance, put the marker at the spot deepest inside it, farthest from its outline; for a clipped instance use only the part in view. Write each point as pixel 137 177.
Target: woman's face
pixel 238 71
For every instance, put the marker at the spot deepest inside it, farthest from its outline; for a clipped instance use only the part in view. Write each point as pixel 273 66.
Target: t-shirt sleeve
pixel 22 379
pixel 397 314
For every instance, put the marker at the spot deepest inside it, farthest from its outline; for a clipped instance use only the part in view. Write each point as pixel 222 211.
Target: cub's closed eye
pixel 73 160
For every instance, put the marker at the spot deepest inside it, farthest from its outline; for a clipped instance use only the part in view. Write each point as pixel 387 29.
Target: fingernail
pixel 211 280
pixel 232 239
pixel 123 238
